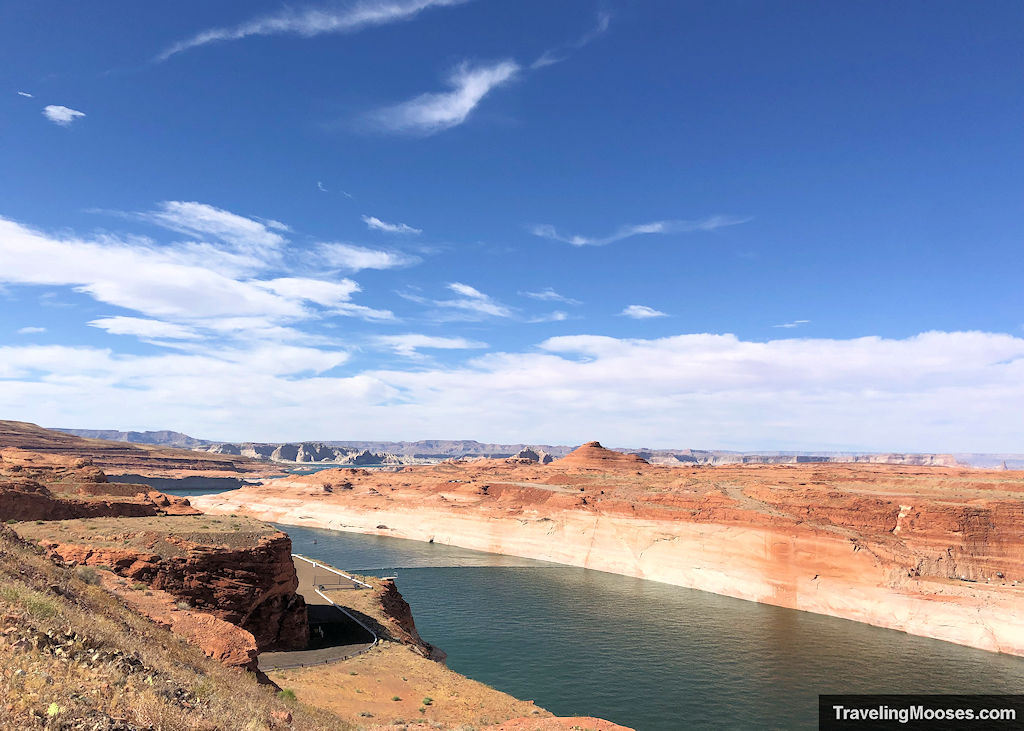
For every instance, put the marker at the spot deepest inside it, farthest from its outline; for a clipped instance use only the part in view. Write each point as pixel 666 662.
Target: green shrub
pixel 88 575
pixel 286 694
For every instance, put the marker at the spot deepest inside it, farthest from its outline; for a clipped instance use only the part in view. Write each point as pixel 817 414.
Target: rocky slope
pixel 235 569
pixel 932 551
pixel 75 656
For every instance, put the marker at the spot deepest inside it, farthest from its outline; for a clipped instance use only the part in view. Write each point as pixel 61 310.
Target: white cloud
pixel 328 294
pixel 556 316
pixel 467 291
pixel 557 55
pixel 26 94
pixel 355 258
pixel 310 22
pixel 248 237
pixel 711 223
pixel 409 343
pixel 961 391
pixel 320 187
pixel 61 115
pixel 434 112
pixel 641 312
pixel 795 323
pixel 144 328
pixel 470 305
pixel 197 286
pixel 550 295
pixel 375 224
pixel 31 330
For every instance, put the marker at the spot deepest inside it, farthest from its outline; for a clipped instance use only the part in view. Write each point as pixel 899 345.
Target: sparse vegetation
pixel 88 574
pixel 286 694
pixel 73 653
pixel 428 701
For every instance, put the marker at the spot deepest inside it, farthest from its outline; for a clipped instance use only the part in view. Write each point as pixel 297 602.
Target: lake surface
pixel 185 486
pixel 648 655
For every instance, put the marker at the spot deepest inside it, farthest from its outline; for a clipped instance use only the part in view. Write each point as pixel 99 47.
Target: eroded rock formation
pixel 933 551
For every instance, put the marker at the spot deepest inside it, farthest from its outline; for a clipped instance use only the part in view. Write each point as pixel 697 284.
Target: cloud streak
pixel 711 223
pixel 309 22
pixel 641 312
pixel 434 112
pixel 354 258
pixel 375 224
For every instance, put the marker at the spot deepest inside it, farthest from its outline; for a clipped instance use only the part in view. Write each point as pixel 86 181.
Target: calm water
pixel 184 486
pixel 643 654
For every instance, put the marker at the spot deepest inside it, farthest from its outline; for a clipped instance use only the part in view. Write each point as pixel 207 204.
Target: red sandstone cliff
pixel 251 584
pixel 933 551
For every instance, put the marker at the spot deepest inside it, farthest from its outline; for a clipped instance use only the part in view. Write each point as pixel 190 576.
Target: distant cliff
pixel 436 450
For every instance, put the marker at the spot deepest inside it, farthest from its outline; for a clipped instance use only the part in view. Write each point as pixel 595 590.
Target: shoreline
pixel 707 557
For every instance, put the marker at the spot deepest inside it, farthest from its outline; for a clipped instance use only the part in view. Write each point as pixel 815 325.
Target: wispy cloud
pixel 355 258
pixel 550 295
pixel 642 312
pixel 308 22
pixel 248 235
pixel 320 186
pixel 711 223
pixel 434 112
pixel 560 53
pixel 31 330
pixel 26 94
pixel 63 116
pixel 375 224
pixel 145 328
pixel 556 316
pixel 795 323
pixel 471 304
pixel 409 344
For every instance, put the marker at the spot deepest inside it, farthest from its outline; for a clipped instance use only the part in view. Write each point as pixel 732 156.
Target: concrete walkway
pixel 334 635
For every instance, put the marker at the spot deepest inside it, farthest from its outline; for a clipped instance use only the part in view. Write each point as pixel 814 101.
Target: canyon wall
pixel 929 551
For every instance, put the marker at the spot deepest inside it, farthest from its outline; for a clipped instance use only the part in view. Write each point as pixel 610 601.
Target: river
pixel 652 656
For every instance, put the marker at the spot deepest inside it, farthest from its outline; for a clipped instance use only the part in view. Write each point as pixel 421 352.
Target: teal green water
pixel 648 655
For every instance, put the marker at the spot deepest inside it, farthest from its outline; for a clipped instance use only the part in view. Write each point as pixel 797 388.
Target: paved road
pixel 333 636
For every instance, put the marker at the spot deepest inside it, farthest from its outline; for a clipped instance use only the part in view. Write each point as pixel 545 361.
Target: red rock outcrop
pixel 25 499
pixel 402 626
pixel 225 642
pixel 251 586
pixel 592 454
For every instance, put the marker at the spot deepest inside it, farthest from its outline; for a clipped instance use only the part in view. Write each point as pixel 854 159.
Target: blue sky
pixel 708 224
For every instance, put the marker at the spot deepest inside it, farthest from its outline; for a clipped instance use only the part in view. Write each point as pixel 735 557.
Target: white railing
pixel 332 570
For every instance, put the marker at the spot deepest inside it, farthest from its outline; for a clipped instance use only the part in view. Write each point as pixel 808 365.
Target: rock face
pixel 252 587
pixel 225 642
pixel 57 487
pixel 593 455
pixel 932 551
pixel 398 614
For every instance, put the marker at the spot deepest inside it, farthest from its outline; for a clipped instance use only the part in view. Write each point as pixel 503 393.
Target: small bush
pixel 11 521
pixel 182 605
pixel 396 698
pixel 428 701
pixel 88 575
pixel 286 695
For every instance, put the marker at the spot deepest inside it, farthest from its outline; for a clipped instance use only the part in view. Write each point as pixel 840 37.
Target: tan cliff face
pixel 932 551
pixel 236 570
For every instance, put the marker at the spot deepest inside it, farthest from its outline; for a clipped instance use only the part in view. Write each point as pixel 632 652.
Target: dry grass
pixel 363 690
pixel 73 657
pixel 150 534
